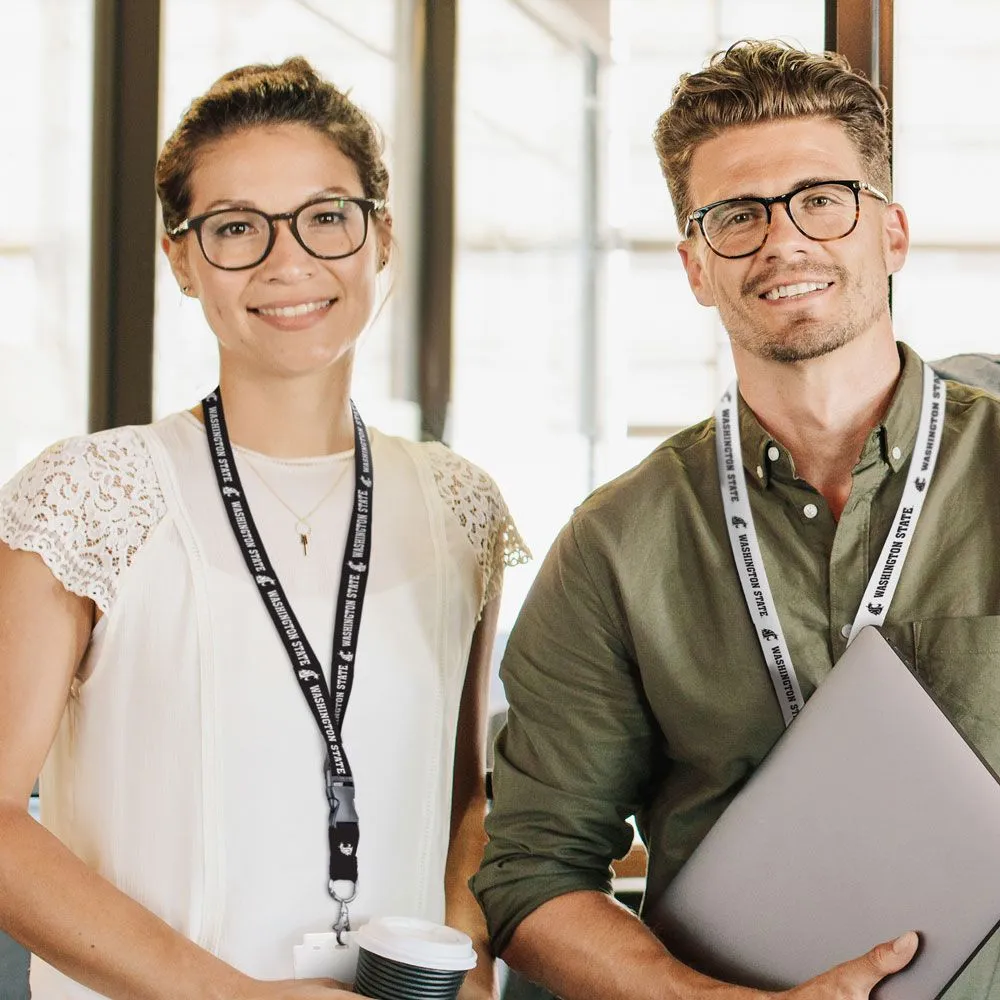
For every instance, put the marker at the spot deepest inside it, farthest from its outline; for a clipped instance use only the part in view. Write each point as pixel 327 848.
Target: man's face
pixel 772 159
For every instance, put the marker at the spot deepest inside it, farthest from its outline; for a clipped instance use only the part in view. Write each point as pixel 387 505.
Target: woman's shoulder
pixel 442 462
pixel 86 505
pixel 460 484
pixel 107 464
pixel 474 505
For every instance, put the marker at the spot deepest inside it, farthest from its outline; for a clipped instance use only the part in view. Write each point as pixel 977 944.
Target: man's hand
pixel 856 979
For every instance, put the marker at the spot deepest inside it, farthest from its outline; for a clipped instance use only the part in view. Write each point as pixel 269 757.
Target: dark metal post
pixel 862 31
pixel 126 111
pixel 436 241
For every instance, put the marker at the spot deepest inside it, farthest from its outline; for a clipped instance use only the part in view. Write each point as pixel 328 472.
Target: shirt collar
pixel 764 457
pixel 899 426
pixel 761 451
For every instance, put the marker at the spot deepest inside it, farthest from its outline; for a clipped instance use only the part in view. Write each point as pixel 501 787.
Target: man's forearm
pixel 585 945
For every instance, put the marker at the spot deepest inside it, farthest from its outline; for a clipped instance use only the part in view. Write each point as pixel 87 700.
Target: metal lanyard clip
pixel 343 922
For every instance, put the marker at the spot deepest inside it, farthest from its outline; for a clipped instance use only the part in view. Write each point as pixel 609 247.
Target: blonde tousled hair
pixel 765 81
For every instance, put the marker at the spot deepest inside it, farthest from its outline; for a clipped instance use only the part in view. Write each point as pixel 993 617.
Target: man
pixel 635 678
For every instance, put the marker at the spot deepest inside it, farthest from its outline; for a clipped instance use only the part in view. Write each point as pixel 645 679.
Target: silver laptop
pixel 871 816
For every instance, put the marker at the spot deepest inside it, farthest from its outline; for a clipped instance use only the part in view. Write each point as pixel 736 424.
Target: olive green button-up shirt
pixel 635 679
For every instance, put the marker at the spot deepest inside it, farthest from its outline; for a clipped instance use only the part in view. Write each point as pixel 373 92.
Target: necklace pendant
pixel 304 531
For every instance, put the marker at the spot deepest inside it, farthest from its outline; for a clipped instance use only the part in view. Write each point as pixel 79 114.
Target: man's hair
pixel 265 96
pixel 765 81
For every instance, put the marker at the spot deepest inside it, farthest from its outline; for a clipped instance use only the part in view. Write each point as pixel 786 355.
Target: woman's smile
pixel 294 316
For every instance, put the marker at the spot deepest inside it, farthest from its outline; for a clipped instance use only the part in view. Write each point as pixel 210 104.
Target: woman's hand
pixel 474 990
pixel 468 810
pixel 298 989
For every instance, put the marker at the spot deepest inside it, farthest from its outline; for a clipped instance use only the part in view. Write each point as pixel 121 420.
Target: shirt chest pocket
pixel 959 660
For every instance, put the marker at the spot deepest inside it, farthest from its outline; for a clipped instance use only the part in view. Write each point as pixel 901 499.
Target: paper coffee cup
pixel 403 958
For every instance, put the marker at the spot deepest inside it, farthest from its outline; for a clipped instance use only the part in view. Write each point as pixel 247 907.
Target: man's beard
pixel 801 337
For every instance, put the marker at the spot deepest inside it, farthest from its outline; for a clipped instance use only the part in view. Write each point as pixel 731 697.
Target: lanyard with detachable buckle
pixel 327 706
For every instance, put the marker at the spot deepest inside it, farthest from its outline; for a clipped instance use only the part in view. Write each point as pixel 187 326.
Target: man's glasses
pixel 738 227
pixel 234 239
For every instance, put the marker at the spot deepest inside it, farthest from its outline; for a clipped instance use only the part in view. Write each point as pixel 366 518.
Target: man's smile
pixel 795 291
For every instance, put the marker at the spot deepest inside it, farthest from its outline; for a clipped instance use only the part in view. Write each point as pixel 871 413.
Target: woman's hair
pixel 262 96
pixel 766 81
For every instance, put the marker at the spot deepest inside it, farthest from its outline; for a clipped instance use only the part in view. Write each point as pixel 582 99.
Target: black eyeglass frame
pixel 857 187
pixel 368 207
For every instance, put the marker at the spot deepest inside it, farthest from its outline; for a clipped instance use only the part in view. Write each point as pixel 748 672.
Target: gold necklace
pixel 302 526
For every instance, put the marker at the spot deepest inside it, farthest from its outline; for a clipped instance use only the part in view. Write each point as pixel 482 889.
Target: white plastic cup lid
pixel 418 942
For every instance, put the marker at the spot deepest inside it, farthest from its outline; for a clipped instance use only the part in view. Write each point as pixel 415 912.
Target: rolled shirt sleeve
pixel 576 752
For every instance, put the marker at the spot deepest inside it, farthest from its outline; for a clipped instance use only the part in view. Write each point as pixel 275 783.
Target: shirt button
pixel 810 510
pixel 773 454
pixel 897 453
pixel 846 631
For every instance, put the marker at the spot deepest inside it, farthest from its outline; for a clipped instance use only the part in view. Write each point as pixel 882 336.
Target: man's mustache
pixel 788 276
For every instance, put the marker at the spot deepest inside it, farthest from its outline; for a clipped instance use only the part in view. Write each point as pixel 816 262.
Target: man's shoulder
pixel 678 470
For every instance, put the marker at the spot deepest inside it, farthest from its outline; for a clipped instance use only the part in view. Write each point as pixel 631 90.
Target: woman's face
pixel 292 314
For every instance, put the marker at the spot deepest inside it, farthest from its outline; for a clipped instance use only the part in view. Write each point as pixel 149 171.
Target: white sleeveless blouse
pixel 188 770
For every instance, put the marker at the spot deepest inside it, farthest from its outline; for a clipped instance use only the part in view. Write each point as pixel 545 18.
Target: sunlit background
pixel 577 344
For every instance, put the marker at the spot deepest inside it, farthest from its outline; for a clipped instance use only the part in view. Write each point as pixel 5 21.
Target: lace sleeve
pixel 85 505
pixel 475 500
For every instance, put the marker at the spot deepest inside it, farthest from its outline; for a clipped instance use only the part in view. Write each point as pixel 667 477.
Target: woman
pixel 168 594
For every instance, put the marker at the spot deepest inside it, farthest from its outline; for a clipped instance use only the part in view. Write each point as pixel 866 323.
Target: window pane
pixel 587 390
pixel 520 175
pixel 678 358
pixel 47 55
pixel 947 150
pixel 46 59
pixel 354 46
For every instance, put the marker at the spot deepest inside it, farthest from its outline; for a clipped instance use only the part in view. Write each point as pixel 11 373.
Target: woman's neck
pixel 300 417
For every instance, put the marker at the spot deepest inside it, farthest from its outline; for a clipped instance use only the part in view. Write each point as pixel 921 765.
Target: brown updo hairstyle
pixel 259 96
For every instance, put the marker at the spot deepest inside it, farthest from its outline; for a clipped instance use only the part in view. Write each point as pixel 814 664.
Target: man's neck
pixel 287 417
pixel 823 410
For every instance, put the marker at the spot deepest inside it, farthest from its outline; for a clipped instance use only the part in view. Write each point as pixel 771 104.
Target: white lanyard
pixel 746 550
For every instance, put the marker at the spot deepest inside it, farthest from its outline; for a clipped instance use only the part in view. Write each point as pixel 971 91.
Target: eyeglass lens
pixel 239 237
pixel 822 212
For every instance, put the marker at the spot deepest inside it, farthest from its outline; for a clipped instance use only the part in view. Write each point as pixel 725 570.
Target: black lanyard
pixel 328 711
